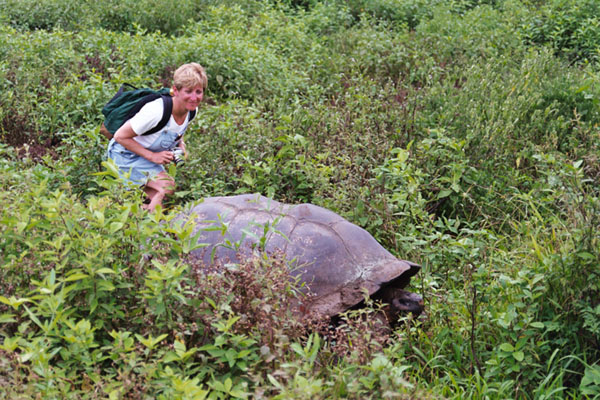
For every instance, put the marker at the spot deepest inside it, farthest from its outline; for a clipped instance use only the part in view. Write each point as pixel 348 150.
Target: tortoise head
pixel 400 303
pixel 405 302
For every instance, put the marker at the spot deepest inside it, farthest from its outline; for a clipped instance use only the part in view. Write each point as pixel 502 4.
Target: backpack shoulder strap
pixel 167 111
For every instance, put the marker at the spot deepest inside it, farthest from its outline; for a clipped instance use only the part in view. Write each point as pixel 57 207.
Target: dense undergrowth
pixel 462 134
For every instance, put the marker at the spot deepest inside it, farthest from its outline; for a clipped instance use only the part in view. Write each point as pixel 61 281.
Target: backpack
pixel 128 101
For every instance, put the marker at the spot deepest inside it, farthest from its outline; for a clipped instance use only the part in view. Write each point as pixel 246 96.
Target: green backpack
pixel 128 101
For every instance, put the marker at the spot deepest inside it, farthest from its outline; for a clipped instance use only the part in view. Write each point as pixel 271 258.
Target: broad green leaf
pixel 518 355
pixel 444 193
pixel 248 180
pixel 170 357
pixel 179 348
pixel 10 343
pixel 13 301
pixel 228 384
pixel 586 256
pixel 115 226
pixel 76 277
pixel 6 318
pixel 507 347
pixel 105 271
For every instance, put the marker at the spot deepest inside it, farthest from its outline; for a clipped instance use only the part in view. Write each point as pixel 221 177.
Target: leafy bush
pixel 407 13
pixel 127 16
pixel 570 28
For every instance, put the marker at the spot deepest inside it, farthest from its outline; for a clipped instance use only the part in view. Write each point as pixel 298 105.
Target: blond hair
pixel 190 75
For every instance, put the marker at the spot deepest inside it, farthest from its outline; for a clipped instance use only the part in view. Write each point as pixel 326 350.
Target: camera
pixel 178 156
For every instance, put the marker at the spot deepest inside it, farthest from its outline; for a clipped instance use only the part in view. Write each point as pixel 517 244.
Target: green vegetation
pixel 463 134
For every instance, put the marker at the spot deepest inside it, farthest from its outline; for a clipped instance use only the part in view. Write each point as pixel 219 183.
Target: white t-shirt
pixel 148 117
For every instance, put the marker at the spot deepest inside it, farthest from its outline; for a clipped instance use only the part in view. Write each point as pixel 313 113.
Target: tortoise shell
pixel 336 259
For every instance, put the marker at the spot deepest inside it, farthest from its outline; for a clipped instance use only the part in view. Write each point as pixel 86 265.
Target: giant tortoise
pixel 337 260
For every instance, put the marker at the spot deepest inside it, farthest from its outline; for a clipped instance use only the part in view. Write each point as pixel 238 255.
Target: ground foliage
pixel 462 134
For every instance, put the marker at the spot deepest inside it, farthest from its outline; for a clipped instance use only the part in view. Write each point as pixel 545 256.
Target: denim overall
pixel 135 168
